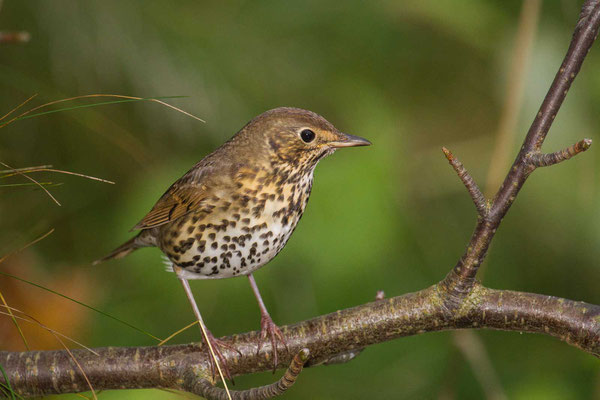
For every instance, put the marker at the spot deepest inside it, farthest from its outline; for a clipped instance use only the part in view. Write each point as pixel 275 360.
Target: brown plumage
pixel 235 209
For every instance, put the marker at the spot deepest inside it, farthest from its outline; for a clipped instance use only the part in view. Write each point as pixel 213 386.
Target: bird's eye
pixel 307 135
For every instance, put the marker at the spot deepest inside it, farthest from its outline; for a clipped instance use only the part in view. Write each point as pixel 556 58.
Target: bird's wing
pixel 185 195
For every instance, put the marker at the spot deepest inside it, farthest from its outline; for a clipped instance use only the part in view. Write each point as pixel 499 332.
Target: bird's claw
pixel 268 327
pixel 216 345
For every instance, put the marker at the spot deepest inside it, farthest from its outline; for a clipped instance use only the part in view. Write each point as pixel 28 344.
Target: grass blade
pixel 34 181
pixel 29 184
pixel 17 107
pixel 60 171
pixel 12 392
pixel 32 320
pixel 90 105
pixel 14 319
pixel 27 114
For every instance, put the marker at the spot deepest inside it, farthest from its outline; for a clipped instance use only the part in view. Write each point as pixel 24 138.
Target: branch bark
pixel 182 366
pixel 457 302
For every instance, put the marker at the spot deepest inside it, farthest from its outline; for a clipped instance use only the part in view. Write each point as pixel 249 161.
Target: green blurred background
pixel 411 76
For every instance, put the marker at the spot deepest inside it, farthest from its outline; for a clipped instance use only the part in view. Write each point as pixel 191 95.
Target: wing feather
pixel 186 195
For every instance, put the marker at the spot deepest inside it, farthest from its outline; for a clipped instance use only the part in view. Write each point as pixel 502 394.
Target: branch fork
pixel 461 279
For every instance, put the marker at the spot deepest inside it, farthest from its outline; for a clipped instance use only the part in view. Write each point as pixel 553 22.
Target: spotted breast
pixel 243 228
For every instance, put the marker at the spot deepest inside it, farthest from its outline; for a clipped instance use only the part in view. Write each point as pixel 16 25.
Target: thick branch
pixel 458 302
pixel 48 372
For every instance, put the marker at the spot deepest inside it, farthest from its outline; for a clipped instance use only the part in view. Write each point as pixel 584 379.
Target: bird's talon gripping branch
pixel 269 329
pixel 216 345
pixel 478 198
pixel 205 389
pixel 545 160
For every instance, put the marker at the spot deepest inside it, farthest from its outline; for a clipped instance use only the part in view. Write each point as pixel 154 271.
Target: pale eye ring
pixel 307 135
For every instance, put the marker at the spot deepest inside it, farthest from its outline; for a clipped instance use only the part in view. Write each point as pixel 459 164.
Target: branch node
pixel 478 198
pixel 205 389
pixel 544 160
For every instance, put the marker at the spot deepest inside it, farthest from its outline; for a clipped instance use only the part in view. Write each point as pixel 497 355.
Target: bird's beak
pixel 346 140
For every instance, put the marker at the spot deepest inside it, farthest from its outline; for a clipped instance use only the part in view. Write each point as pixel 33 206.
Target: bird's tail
pixel 123 250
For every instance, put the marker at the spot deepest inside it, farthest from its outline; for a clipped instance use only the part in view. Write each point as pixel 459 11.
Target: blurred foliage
pixel 409 75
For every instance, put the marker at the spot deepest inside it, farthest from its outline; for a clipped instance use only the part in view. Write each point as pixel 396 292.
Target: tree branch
pixel 457 302
pixel 39 373
pixel 545 160
pixel 462 278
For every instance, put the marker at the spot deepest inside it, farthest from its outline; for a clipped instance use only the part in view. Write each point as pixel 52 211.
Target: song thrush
pixel 235 210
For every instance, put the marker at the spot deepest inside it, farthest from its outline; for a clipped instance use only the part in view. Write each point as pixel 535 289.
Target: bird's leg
pixel 213 345
pixel 267 326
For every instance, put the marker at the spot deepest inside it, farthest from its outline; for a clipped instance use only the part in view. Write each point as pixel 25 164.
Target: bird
pixel 235 210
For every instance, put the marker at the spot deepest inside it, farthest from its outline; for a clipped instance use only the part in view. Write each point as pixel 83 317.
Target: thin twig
pixel 476 195
pixel 462 278
pixel 545 160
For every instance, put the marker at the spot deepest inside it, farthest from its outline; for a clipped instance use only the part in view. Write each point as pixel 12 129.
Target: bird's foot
pixel 268 327
pixel 216 346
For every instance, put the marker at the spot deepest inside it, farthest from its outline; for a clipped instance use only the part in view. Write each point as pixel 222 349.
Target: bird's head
pixel 295 137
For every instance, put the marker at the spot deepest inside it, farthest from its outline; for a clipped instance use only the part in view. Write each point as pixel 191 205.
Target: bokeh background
pixel 411 76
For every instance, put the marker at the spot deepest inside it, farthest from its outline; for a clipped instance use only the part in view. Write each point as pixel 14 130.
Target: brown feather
pixel 187 194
